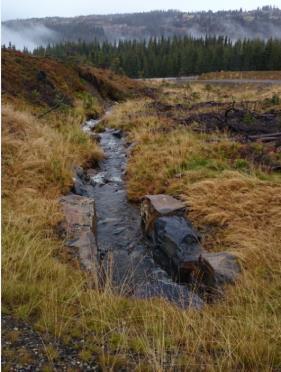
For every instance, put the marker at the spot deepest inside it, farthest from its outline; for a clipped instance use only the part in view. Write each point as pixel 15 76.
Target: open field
pixel 184 80
pixel 255 78
pixel 254 75
pixel 182 147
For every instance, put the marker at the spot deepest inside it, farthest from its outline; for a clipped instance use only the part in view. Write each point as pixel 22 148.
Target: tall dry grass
pixel 38 162
pixel 238 209
pixel 195 92
pixel 240 213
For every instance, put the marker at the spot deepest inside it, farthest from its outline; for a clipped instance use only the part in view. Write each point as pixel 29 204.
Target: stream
pixel 124 253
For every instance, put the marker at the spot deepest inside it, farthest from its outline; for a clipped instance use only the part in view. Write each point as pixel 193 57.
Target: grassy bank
pixel 236 205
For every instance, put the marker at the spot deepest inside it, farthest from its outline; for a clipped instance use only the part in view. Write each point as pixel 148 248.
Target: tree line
pixel 173 56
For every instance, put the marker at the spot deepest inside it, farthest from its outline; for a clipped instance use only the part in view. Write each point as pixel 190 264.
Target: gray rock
pixel 80 227
pixel 225 266
pixel 177 246
pixel 117 133
pixel 119 230
pixel 154 206
pixel 140 277
pixel 95 136
pixel 78 186
pixel 98 179
pixel 79 171
pixel 172 292
pixel 91 172
pixel 174 237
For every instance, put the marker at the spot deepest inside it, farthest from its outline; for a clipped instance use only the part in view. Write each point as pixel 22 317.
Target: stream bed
pixel 123 253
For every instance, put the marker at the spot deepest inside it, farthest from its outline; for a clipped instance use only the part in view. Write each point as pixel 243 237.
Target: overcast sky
pixel 12 9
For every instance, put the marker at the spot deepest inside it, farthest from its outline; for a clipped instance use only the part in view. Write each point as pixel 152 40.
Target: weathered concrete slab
pixel 80 227
pixel 154 206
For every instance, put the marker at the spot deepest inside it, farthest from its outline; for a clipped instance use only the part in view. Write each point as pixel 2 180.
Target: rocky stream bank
pixel 147 253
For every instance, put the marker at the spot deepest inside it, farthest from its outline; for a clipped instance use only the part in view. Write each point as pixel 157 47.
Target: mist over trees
pixel 172 56
pixel 262 23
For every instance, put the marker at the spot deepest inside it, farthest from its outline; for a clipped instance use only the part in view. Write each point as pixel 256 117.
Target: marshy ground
pixel 182 146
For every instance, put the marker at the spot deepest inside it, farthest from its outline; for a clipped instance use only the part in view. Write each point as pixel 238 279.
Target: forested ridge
pixel 263 23
pixel 172 56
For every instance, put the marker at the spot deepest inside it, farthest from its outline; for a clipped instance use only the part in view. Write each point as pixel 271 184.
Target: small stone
pixel 119 231
pixel 114 179
pixel 99 178
pixel 178 175
pixel 117 133
pixel 79 172
pixel 91 172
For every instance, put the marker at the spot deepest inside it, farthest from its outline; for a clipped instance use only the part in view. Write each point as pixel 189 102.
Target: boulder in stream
pixel 174 237
pixel 154 206
pixel 176 246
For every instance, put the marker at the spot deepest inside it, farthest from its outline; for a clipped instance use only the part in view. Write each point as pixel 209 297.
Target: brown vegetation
pixel 41 81
pixel 236 206
pixel 255 75
pixel 232 200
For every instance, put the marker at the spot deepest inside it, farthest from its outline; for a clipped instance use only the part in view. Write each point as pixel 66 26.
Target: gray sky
pixel 33 8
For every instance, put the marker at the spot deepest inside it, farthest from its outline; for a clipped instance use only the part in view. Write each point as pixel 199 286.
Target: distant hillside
pixel 261 23
pixel 46 82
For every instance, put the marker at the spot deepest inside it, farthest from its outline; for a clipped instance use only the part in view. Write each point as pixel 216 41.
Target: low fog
pixel 27 37
pixel 35 32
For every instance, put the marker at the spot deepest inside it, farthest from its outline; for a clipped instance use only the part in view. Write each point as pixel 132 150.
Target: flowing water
pixel 125 254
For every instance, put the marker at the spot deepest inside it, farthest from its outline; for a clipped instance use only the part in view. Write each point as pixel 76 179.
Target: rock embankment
pixel 177 248
pixel 110 235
